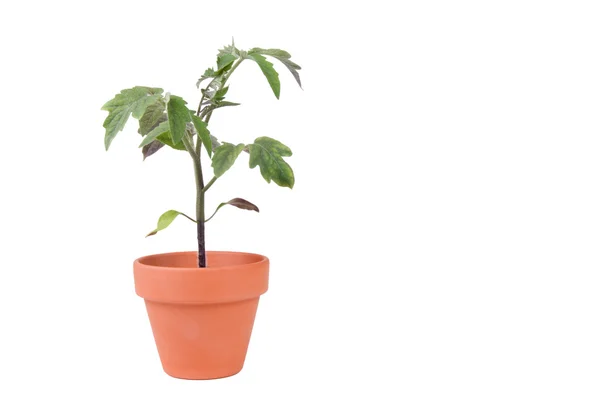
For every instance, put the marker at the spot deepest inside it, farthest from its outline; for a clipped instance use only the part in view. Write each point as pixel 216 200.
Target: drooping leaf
pixel 179 116
pixel 269 72
pixel 237 202
pixel 284 57
pixel 155 133
pixel 154 114
pixel 132 101
pixel 203 133
pixel 165 220
pixel 224 157
pixel 268 154
pixel 293 68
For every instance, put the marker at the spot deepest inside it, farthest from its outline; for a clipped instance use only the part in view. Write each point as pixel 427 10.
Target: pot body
pixel 201 318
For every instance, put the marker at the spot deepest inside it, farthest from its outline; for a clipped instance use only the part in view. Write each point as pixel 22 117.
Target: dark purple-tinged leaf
pixel 154 115
pixel 151 148
pixel 243 204
pixel 154 133
pixel 237 202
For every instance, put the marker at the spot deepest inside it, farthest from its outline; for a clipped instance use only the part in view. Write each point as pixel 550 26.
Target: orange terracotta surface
pixel 202 318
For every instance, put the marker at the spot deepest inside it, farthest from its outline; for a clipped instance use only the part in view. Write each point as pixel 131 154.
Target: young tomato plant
pixel 166 120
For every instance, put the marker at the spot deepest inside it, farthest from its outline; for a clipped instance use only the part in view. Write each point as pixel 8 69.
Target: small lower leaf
pixel 237 202
pixel 165 220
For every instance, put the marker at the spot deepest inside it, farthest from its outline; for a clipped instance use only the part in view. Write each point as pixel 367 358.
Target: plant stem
pixel 188 142
pixel 200 208
pixel 233 67
pixel 200 188
pixel 210 183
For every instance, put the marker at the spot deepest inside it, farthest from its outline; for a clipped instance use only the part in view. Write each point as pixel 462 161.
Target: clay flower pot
pixel 201 318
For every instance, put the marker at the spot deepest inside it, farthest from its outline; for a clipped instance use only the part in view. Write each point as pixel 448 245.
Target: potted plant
pixel 201 304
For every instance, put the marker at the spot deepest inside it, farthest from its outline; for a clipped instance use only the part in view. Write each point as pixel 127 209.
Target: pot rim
pixel 181 281
pixel 141 261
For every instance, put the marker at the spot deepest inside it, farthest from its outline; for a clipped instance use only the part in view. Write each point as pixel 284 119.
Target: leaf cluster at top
pixel 166 120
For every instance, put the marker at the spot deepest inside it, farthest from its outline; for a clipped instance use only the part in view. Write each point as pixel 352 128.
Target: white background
pixel 441 241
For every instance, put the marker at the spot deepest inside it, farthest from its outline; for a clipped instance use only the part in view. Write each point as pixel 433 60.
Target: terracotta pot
pixel 202 318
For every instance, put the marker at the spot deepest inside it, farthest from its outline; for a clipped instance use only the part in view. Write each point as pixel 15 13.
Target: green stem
pixel 188 143
pixel 188 217
pixel 225 78
pixel 210 183
pixel 200 188
pixel 213 214
pixel 235 65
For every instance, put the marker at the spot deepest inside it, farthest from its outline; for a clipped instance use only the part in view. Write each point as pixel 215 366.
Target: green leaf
pixel 160 133
pixel 154 114
pixel 269 72
pixel 237 202
pixel 268 154
pixel 220 104
pixel 209 73
pixel 155 133
pixel 166 138
pixel 220 94
pixel 203 133
pixel 179 116
pixel 283 57
pixel 165 220
pixel 225 61
pixel 132 101
pixel 224 157
pixel 293 68
pixel 227 50
pixel 271 52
